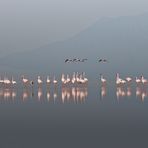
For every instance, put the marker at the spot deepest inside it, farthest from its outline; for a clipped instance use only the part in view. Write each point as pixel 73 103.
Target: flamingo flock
pixel 66 79
pixel 128 80
pixel 73 85
pixel 75 78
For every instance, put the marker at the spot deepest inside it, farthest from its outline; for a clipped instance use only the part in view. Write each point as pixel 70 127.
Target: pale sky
pixel 28 24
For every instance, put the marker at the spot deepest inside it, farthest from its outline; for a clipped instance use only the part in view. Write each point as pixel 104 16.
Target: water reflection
pixel 103 91
pixel 141 93
pixel 40 94
pixel 7 94
pixel 27 93
pixel 48 95
pixel 76 94
pixel 123 92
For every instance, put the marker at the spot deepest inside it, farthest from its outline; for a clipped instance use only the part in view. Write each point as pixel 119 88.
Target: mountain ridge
pixel 122 40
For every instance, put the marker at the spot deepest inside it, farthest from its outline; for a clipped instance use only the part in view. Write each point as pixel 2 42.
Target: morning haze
pixel 29 24
pixel 48 102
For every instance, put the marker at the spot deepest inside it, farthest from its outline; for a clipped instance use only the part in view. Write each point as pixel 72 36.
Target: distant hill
pixel 123 41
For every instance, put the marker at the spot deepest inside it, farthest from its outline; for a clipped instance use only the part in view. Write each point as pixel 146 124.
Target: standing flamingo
pixel 84 78
pixel 119 80
pixel 39 80
pixel 128 79
pixel 68 79
pixel 138 81
pixel 48 80
pixel 55 81
pixel 63 80
pixel 103 80
pixel 7 82
pixel 25 80
pixel 73 80
pixel 143 80
pixel 13 81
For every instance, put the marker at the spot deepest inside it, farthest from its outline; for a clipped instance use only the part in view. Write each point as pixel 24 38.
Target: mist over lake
pixel 93 114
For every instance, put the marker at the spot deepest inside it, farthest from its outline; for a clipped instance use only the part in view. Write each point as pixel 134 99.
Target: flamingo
pixel 128 79
pixel 123 81
pixel 81 80
pixel 78 80
pixel 84 78
pixel 138 80
pixel 55 81
pixel 73 80
pixel 39 80
pixel 83 60
pixel 7 81
pixel 68 79
pixel 48 80
pixel 13 81
pixel 119 80
pixel 102 60
pixel 103 80
pixel 143 80
pixel 25 80
pixel 63 79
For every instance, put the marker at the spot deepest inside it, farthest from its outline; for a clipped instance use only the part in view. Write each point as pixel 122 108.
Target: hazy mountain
pixel 123 41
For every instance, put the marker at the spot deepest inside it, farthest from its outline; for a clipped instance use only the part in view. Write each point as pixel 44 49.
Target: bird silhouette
pixel 102 60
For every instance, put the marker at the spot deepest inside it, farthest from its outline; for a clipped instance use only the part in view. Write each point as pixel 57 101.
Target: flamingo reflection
pixel 40 94
pixel 141 93
pixel 76 94
pixel 48 95
pixel 27 93
pixel 129 92
pixel 103 91
pixel 120 92
pixel 7 94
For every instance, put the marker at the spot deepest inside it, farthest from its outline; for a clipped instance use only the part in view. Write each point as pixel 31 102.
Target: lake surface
pixel 74 116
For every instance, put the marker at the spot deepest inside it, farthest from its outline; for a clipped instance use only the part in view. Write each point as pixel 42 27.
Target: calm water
pixel 80 116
